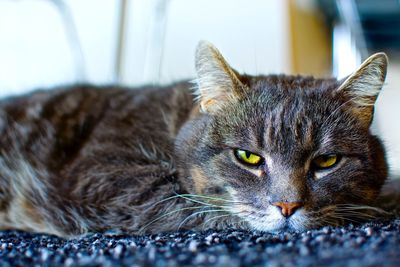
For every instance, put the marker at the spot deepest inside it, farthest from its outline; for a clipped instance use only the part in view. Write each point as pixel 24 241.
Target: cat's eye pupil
pixel 326 161
pixel 248 158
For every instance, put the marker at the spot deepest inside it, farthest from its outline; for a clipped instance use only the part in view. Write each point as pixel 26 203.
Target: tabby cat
pixel 269 153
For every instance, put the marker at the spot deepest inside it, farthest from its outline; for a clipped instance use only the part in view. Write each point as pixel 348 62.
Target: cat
pixel 269 153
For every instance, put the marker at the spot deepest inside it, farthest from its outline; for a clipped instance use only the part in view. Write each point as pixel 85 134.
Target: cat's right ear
pixel 364 85
pixel 217 82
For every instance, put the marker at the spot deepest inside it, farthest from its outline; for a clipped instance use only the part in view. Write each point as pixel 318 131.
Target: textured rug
pixel 370 244
pixel 374 243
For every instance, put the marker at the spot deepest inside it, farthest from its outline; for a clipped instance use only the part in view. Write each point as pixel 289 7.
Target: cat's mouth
pixel 271 219
pixel 278 225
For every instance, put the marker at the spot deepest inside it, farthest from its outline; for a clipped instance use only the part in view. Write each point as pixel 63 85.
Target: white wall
pixel 387 116
pixel 35 49
pixel 251 34
pixel 161 35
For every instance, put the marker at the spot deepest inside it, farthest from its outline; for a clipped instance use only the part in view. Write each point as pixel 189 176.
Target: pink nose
pixel 288 208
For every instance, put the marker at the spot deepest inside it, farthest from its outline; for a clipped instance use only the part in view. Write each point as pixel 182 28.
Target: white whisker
pixel 167 214
pixel 214 218
pixel 210 197
pixel 196 213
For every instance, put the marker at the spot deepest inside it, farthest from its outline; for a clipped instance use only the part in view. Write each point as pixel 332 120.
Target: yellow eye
pixel 326 161
pixel 248 157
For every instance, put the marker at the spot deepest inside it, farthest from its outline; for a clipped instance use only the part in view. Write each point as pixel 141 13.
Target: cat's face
pixel 286 152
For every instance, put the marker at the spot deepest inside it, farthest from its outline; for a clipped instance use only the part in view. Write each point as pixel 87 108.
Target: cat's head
pixel 284 151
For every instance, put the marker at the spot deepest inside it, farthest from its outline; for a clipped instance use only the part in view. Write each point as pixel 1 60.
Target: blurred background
pixel 44 43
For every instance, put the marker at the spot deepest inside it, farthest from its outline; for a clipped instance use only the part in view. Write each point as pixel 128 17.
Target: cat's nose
pixel 288 208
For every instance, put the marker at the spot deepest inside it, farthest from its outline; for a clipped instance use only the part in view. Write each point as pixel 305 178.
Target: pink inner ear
pixel 217 81
pixel 364 85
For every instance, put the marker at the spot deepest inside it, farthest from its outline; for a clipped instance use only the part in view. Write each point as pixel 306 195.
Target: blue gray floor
pixel 370 244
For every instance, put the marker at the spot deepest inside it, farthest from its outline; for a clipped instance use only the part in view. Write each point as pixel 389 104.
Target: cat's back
pixel 85 98
pixel 53 127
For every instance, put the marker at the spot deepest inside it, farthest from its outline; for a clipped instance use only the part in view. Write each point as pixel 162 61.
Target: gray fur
pixel 81 159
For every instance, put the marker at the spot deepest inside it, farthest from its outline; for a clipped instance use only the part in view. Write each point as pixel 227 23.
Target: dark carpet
pixel 370 244
pixel 374 243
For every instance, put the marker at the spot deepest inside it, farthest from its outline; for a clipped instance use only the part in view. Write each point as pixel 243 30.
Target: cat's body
pixel 86 158
pixel 91 159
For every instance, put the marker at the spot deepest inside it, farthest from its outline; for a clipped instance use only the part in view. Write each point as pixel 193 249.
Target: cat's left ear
pixel 217 82
pixel 364 85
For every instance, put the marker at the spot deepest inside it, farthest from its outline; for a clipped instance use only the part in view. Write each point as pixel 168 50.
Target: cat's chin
pixel 277 227
pixel 278 223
